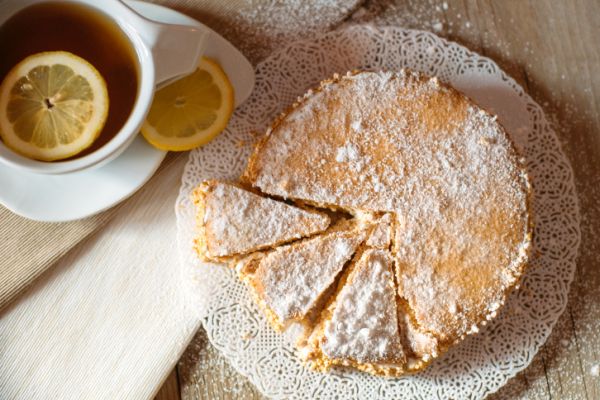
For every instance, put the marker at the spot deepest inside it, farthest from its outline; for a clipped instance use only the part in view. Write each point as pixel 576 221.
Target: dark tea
pixel 93 36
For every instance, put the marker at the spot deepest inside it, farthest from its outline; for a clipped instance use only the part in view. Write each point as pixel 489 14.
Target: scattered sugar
pixel 261 26
pixel 202 363
pixel 595 370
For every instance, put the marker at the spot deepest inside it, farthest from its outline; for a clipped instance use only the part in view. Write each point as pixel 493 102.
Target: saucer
pixel 67 197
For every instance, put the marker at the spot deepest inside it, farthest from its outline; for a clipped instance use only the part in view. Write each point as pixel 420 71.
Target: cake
pixel 235 221
pixel 360 327
pixel 289 281
pixel 440 196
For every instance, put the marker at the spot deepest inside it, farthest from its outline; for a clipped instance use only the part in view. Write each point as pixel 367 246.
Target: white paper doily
pixel 484 362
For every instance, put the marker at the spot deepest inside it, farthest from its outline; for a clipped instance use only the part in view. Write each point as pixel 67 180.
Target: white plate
pixel 77 195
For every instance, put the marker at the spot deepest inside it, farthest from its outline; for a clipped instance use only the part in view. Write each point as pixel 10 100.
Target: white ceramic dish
pixel 59 198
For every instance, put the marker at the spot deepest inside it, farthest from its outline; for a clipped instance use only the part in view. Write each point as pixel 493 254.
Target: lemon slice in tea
pixel 191 111
pixel 53 105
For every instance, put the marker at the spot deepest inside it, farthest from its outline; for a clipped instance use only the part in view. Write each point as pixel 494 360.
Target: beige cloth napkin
pixel 256 27
pixel 28 248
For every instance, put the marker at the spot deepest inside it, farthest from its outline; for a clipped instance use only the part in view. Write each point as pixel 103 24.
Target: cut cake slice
pixel 420 347
pixel 234 221
pixel 289 282
pixel 360 327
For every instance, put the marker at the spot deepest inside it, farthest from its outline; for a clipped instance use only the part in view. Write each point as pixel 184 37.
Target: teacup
pixel 164 52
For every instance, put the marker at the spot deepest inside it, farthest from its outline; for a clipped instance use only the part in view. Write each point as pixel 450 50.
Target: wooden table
pixel 551 47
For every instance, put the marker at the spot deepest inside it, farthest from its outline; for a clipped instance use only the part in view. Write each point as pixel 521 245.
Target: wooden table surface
pixel 551 47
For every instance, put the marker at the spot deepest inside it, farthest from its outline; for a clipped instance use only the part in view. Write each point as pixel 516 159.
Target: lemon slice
pixel 53 105
pixel 191 111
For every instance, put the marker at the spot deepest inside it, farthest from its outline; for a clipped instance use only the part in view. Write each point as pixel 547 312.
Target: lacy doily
pixel 482 363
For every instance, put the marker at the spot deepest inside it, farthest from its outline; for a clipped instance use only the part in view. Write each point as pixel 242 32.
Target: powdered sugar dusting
pixel 429 155
pixel 395 110
pixel 462 232
pixel 420 346
pixel 348 152
pixel 500 351
pixel 237 221
pixel 364 324
pixel 292 278
pixel 381 235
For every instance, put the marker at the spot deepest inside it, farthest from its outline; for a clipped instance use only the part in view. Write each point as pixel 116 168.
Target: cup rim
pixel 128 132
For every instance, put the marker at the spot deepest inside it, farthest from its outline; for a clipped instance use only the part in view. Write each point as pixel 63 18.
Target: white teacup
pixel 164 52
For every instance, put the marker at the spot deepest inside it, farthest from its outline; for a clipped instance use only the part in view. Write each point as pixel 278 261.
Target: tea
pixel 55 26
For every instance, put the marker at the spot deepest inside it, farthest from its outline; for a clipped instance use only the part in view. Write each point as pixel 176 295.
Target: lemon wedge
pixel 53 105
pixel 191 111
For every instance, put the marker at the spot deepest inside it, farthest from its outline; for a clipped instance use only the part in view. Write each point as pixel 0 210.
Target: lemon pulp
pixel 190 111
pixel 53 105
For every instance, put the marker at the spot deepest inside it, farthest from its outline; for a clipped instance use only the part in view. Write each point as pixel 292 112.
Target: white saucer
pixel 59 198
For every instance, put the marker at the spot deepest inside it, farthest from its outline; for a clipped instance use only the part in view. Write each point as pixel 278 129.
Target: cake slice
pixel 360 328
pixel 234 221
pixel 290 281
pixel 420 347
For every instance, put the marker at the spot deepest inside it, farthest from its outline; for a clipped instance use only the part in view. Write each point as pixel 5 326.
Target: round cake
pixel 428 221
